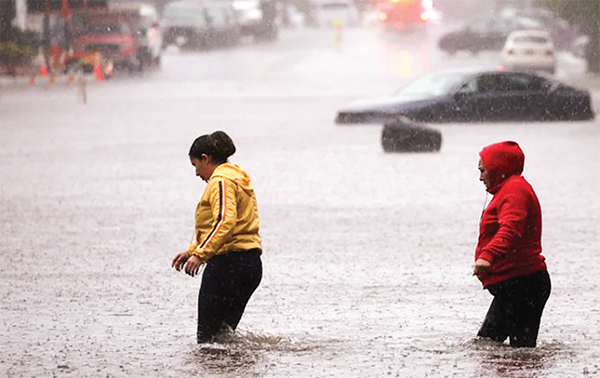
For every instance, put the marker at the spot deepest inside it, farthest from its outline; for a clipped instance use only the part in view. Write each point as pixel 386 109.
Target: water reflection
pixel 240 354
pixel 502 360
pixel 407 56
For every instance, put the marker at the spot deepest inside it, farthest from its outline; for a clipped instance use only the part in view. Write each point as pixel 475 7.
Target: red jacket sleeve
pixel 512 216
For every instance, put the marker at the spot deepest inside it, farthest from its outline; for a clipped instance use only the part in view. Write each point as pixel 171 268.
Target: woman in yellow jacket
pixel 227 238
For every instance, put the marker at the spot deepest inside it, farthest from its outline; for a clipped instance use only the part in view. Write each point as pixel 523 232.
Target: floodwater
pixel 367 255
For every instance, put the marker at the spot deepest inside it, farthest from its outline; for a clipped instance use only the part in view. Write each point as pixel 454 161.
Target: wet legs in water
pixel 517 309
pixel 228 282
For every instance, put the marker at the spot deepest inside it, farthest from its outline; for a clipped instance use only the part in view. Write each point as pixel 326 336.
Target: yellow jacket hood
pixel 234 173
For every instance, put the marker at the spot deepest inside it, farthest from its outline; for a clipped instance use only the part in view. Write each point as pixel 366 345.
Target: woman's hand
pixel 481 266
pixel 192 265
pixel 179 261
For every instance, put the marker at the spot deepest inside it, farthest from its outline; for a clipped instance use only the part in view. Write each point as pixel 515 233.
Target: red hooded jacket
pixel 510 230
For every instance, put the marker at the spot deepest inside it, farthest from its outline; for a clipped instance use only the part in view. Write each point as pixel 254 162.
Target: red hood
pixel 502 160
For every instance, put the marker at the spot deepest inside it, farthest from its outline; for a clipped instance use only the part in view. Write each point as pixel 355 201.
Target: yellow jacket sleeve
pixel 221 196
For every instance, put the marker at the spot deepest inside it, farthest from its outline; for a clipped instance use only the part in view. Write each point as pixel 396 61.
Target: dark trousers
pixel 517 309
pixel 228 282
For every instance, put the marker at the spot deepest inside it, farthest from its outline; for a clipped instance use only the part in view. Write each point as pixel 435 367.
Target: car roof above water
pixel 529 33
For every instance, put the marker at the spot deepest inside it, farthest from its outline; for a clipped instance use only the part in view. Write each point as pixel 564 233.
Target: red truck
pixel 102 36
pixel 119 38
pixel 404 14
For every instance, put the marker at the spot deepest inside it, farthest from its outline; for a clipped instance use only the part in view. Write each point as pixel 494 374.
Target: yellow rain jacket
pixel 227 215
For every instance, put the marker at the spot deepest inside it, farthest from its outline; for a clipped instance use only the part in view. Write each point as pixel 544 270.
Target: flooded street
pixel 367 255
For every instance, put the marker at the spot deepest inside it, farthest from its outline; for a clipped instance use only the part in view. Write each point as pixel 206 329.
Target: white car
pixel 529 50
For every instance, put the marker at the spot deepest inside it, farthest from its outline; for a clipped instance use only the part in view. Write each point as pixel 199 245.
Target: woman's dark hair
pixel 217 145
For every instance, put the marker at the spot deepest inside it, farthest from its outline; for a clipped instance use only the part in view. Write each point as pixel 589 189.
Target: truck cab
pixel 145 21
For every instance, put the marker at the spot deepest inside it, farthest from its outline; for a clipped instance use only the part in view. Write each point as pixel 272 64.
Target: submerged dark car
pixel 475 96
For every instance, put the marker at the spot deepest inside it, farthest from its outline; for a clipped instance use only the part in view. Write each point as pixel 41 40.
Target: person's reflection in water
pixel 501 360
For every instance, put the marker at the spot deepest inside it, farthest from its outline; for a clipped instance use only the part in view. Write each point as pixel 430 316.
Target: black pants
pixel 517 309
pixel 228 282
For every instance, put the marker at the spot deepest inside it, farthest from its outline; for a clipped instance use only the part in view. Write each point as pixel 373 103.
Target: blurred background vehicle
pixel 148 34
pixel 529 50
pixel 490 33
pixel 483 34
pixel 541 18
pixel 257 18
pixel 223 27
pixel 118 35
pixel 474 96
pixel 200 25
pixel 185 25
pixel 405 14
pixel 288 15
pixel 110 34
pixel 329 13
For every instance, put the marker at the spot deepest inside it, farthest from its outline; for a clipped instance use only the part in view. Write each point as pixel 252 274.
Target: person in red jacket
pixel 508 259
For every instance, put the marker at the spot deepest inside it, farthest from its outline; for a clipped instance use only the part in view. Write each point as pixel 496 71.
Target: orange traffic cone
pixel 98 73
pixel 98 67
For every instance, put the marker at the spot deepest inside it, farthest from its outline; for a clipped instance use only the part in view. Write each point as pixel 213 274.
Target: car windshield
pixel 217 16
pixel 98 27
pixel 432 85
pixel 526 22
pixel 185 15
pixel 531 39
pixel 108 28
